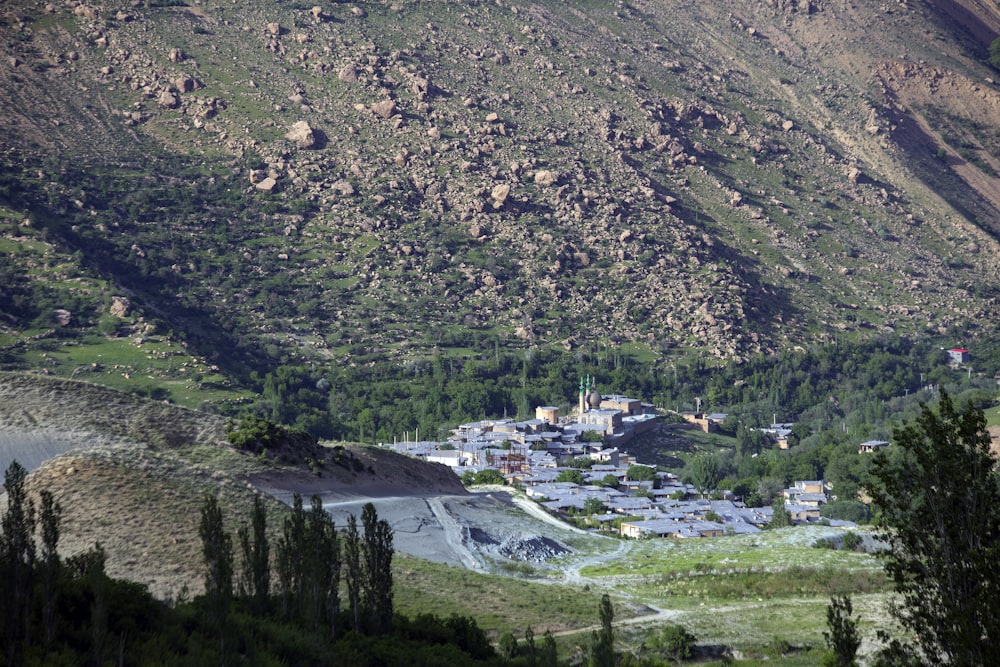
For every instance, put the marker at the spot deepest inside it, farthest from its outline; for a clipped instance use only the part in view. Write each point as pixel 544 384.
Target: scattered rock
pixel 343 187
pixel 348 74
pixel 266 185
pixel 168 100
pixel 302 135
pixel 545 177
pixel 500 194
pixel 120 306
pixel 384 109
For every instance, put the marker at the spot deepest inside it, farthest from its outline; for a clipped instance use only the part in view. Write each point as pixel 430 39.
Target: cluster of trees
pixel 316 596
pixel 310 559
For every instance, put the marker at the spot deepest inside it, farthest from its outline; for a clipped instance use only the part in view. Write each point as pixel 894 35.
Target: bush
pixel 995 53
pixel 846 510
pixel 674 642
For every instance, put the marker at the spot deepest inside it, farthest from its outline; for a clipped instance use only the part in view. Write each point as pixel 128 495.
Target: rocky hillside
pixel 322 180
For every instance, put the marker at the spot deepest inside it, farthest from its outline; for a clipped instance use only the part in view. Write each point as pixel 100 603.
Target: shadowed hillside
pixel 285 182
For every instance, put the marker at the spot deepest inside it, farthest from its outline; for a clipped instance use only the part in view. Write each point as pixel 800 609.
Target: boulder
pixel 266 185
pixel 546 177
pixel 168 100
pixel 348 73
pixel 384 109
pixel 120 306
pixel 500 194
pixel 343 187
pixel 302 135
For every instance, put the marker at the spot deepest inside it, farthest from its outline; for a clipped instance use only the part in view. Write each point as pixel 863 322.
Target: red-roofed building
pixel 958 355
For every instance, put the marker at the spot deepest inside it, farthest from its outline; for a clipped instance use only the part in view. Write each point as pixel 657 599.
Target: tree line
pixel 316 595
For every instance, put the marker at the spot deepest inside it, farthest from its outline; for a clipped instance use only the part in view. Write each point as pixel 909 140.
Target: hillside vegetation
pixel 272 183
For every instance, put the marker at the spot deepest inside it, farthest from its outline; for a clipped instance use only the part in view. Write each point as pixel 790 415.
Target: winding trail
pixel 572 574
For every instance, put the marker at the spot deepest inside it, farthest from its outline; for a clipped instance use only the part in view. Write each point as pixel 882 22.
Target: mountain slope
pixel 689 176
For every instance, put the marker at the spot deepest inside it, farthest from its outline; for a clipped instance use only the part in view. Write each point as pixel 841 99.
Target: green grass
pixel 766 551
pixel 498 603
pixel 120 364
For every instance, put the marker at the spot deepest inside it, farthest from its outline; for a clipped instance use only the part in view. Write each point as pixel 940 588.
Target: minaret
pixel 582 394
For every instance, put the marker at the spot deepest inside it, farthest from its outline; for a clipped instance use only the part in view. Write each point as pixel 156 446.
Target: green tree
pixel 320 567
pixel 353 572
pixel 750 441
pixel 378 551
pixel 217 550
pixel 780 518
pixel 842 637
pixel 507 645
pixel 489 476
pixel 574 476
pixel 995 53
pixel 550 653
pixel 255 581
pixel 51 515
pixel 641 473
pixel 704 473
pixel 530 650
pixel 938 506
pixel 291 559
pixel 17 557
pixel 602 642
pixel 673 641
pixel 593 506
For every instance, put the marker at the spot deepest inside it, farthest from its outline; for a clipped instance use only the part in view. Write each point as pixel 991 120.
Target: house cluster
pixel 533 453
pixel 804 500
pixel 520 449
pixel 643 509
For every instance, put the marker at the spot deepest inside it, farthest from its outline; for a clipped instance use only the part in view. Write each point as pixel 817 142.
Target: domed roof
pixel 594 398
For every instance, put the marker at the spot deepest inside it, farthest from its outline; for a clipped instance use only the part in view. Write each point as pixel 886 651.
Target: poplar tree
pixel 51 514
pixel 378 569
pixel 217 548
pixel 321 565
pixel 291 559
pixel 255 582
pixel 602 642
pixel 353 571
pixel 17 548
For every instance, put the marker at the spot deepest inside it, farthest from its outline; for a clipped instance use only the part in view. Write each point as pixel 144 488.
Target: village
pixel 610 491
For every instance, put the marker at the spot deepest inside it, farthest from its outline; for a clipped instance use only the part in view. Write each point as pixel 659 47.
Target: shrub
pixel 674 642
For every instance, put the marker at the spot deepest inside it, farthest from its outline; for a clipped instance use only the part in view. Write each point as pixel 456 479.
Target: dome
pixel 594 398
